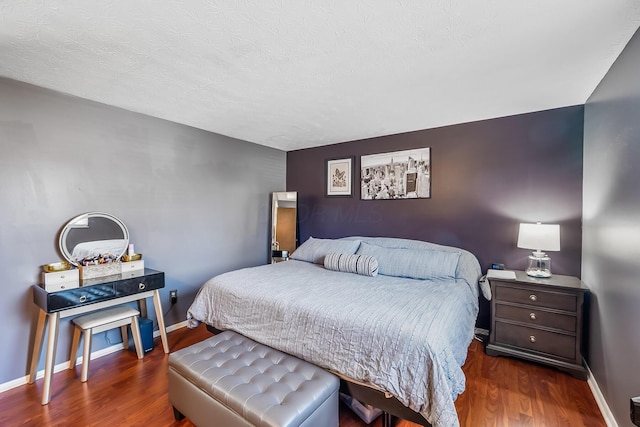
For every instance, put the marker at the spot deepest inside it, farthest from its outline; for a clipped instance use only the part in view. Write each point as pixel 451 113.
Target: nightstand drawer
pixel 535 339
pixel 537 297
pixel 535 317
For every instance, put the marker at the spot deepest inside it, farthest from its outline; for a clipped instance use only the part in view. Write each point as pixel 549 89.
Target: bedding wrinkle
pixel 403 336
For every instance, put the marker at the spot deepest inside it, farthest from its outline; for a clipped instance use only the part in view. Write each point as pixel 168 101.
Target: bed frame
pixel 390 406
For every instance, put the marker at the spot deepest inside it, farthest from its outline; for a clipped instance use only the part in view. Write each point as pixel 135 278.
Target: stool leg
pixel 135 330
pixel 73 356
pixel 125 337
pixel 86 355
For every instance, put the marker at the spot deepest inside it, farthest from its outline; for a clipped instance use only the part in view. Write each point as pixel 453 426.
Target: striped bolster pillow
pixel 351 263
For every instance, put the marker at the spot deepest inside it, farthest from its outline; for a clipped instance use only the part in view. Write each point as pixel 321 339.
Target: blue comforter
pixel 403 336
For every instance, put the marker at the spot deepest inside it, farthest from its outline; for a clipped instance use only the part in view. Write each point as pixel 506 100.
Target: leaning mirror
pixel 284 238
pixel 93 236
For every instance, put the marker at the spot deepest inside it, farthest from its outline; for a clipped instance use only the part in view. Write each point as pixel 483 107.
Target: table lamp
pixel 539 237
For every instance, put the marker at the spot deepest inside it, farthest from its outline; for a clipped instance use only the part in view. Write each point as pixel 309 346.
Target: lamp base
pixel 544 274
pixel 539 265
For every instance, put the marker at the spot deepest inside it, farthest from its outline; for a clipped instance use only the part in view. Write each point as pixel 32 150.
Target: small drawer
pixel 79 296
pixel 537 297
pixel 55 287
pixel 132 273
pixel 142 284
pixel 535 317
pixel 555 344
pixel 65 276
pixel 132 266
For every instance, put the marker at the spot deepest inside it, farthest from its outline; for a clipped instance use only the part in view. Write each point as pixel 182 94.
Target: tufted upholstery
pixel 261 385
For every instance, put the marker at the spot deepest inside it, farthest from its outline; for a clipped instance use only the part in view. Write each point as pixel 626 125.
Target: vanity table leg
pixel 52 341
pixel 163 331
pixel 37 345
pixel 142 307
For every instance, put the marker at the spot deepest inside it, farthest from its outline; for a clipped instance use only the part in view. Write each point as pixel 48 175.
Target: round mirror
pixel 93 237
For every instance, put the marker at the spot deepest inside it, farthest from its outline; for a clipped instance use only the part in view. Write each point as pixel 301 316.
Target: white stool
pixel 100 321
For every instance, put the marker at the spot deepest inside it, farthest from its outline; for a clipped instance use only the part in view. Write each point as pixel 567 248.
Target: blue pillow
pixel 351 263
pixel 413 263
pixel 314 250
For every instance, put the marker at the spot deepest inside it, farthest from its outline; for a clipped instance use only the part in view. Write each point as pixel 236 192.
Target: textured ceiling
pixel 301 73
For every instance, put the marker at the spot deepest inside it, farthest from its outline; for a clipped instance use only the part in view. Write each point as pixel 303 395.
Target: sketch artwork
pixel 339 173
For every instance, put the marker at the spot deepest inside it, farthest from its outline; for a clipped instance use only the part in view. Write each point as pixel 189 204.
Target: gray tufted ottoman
pixel 229 380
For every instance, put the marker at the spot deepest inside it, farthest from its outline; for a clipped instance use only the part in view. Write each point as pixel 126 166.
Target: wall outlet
pixel 635 410
pixel 174 296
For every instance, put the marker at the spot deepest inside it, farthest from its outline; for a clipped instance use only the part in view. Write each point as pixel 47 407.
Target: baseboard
pixel 171 328
pixel 94 355
pixel 600 400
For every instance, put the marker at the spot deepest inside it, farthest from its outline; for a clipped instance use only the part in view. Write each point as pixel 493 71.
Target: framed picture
pixel 396 175
pixel 339 177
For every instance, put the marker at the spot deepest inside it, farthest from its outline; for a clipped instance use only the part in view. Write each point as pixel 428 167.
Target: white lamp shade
pixel 544 237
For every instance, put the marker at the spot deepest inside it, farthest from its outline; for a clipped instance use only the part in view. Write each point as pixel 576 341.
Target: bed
pixel 398 336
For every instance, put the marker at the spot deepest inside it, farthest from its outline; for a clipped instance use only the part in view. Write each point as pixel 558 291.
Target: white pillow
pixel 351 263
pixel 413 263
pixel 314 250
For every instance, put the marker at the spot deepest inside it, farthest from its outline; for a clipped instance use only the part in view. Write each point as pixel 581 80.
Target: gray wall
pixel 611 236
pixel 196 203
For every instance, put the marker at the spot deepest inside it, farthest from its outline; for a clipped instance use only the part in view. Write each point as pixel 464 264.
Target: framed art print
pixel 339 177
pixel 396 175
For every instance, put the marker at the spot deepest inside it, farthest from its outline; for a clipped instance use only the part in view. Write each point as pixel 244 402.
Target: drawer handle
pixel 532 338
pixel 532 297
pixel 83 298
pixel 63 276
pixel 141 286
pixel 532 316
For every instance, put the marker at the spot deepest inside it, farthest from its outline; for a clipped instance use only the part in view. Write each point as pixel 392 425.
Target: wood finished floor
pixel 125 391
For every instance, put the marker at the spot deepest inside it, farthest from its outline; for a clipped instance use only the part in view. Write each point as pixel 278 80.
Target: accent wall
pixel 486 178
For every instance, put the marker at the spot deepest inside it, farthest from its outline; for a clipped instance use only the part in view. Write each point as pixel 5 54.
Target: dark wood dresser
pixel 541 320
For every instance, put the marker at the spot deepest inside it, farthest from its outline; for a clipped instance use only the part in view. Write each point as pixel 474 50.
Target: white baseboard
pixel 171 328
pixel 94 355
pixel 600 400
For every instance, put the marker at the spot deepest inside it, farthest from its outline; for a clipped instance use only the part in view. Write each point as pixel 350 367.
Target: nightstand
pixel 278 256
pixel 540 320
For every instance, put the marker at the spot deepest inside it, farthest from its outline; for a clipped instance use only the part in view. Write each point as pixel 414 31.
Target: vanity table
pixel 94 242
pixel 102 293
